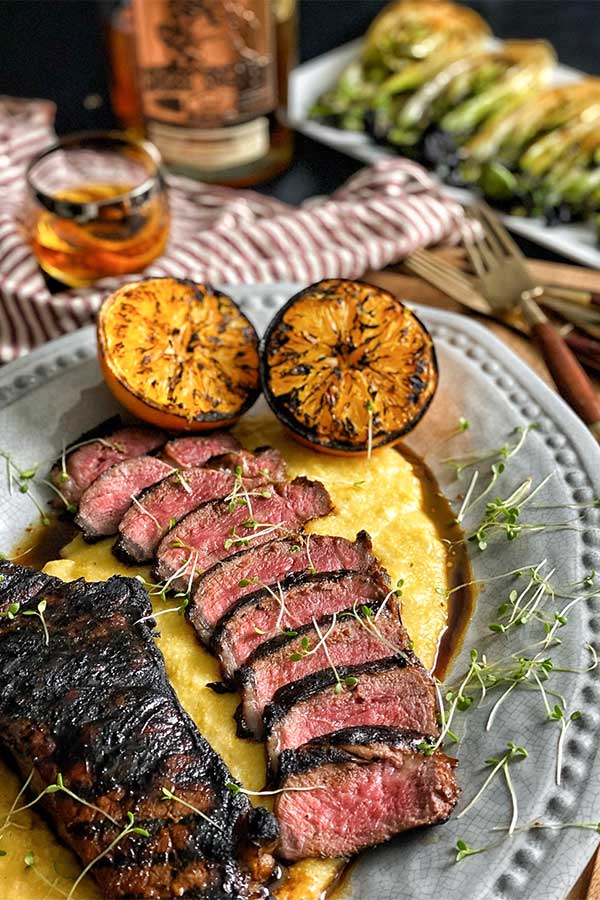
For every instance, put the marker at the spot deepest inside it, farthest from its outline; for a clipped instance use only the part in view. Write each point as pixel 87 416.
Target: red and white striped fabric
pixel 218 234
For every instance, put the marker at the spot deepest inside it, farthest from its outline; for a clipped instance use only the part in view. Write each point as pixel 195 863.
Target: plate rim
pixel 471 338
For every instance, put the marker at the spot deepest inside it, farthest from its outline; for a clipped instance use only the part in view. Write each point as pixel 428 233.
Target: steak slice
pixel 215 531
pixel 219 589
pixel 370 785
pixel 293 602
pixel 367 634
pixel 265 461
pixel 100 451
pixel 92 703
pixel 164 504
pixel 197 450
pixel 397 691
pixel 105 502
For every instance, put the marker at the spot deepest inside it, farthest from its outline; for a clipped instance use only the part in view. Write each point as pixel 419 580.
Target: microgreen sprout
pixel 39 612
pixel 30 862
pixel 179 476
pixel 513 752
pixel 506 451
pixel 311 565
pixel 369 405
pixel 169 795
pixel 340 682
pixel 130 828
pixel 305 650
pixel 238 789
pixel 463 850
pixel 145 511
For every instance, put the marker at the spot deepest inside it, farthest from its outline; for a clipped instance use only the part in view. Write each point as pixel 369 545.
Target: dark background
pixel 54 49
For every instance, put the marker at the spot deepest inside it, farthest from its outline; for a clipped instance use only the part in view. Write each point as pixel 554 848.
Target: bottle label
pixel 212 149
pixel 205 64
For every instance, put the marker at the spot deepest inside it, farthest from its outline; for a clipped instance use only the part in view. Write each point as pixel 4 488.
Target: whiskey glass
pixel 97 206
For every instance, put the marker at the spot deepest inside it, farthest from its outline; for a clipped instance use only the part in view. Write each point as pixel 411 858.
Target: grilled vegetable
pixel 427 84
pixel 180 355
pixel 347 367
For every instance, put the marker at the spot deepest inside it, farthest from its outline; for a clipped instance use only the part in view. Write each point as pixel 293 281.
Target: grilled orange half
pixel 347 367
pixel 180 355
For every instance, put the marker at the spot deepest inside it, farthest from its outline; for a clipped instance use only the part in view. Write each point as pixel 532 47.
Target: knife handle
pixel 570 377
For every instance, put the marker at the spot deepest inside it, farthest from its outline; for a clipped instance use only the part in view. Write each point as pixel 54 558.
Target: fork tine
pixel 498 249
pixel 474 253
pixel 487 248
pixel 443 267
pixel 499 230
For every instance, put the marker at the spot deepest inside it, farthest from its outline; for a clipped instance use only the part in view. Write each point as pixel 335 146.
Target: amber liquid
pixel 120 240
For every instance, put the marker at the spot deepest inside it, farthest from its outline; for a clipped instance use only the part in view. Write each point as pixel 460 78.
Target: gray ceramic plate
pixel 55 393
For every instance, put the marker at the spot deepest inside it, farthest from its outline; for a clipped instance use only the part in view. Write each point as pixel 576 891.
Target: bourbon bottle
pixel 212 77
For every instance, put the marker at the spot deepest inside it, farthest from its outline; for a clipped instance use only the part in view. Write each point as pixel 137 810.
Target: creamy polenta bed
pixel 393 498
pixel 220 684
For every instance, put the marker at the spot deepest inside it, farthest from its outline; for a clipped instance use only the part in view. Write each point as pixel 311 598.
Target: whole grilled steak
pixel 216 530
pixel 197 450
pixel 295 601
pixel 162 505
pixel 219 589
pixel 370 785
pixel 105 502
pixel 265 461
pixel 397 691
pixel 92 703
pixel 102 448
pixel 365 634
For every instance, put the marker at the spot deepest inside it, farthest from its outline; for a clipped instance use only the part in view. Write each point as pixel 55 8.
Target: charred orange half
pixel 346 366
pixel 180 355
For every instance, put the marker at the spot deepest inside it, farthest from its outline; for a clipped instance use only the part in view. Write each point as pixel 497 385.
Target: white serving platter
pixel 575 241
pixel 56 392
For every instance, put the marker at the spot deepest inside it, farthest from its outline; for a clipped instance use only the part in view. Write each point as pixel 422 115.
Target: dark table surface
pixel 54 49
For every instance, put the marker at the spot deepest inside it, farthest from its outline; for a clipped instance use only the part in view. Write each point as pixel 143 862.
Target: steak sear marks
pixel 94 705
pixel 295 601
pixel 397 691
pixel 215 531
pixel 219 589
pixel 108 498
pixel 86 463
pixel 161 506
pixel 363 635
pixel 197 450
pixel 397 785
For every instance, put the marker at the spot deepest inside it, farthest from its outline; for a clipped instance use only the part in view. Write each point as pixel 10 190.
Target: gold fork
pixel 507 286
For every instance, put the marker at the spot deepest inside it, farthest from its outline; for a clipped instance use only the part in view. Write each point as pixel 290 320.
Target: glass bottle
pixel 212 78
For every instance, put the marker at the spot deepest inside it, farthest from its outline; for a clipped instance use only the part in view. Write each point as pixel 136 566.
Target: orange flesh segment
pixel 346 359
pixel 182 349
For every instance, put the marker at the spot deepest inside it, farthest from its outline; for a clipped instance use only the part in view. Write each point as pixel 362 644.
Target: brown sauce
pixel 461 602
pixel 41 544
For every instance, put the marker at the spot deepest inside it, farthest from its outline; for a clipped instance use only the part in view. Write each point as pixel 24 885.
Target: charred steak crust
pixel 399 784
pixel 338 748
pixel 299 691
pixel 94 704
pixel 204 537
pixel 296 579
pixel 282 640
pixel 221 587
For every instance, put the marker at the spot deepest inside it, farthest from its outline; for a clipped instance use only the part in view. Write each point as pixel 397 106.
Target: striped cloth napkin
pixel 218 234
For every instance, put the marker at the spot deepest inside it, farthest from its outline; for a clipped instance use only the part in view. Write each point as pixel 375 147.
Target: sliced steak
pixel 370 784
pixel 162 505
pixel 293 602
pixel 219 589
pixel 98 452
pixel 105 502
pixel 197 450
pixel 366 634
pixel 92 703
pixel 397 691
pixel 265 462
pixel 215 531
